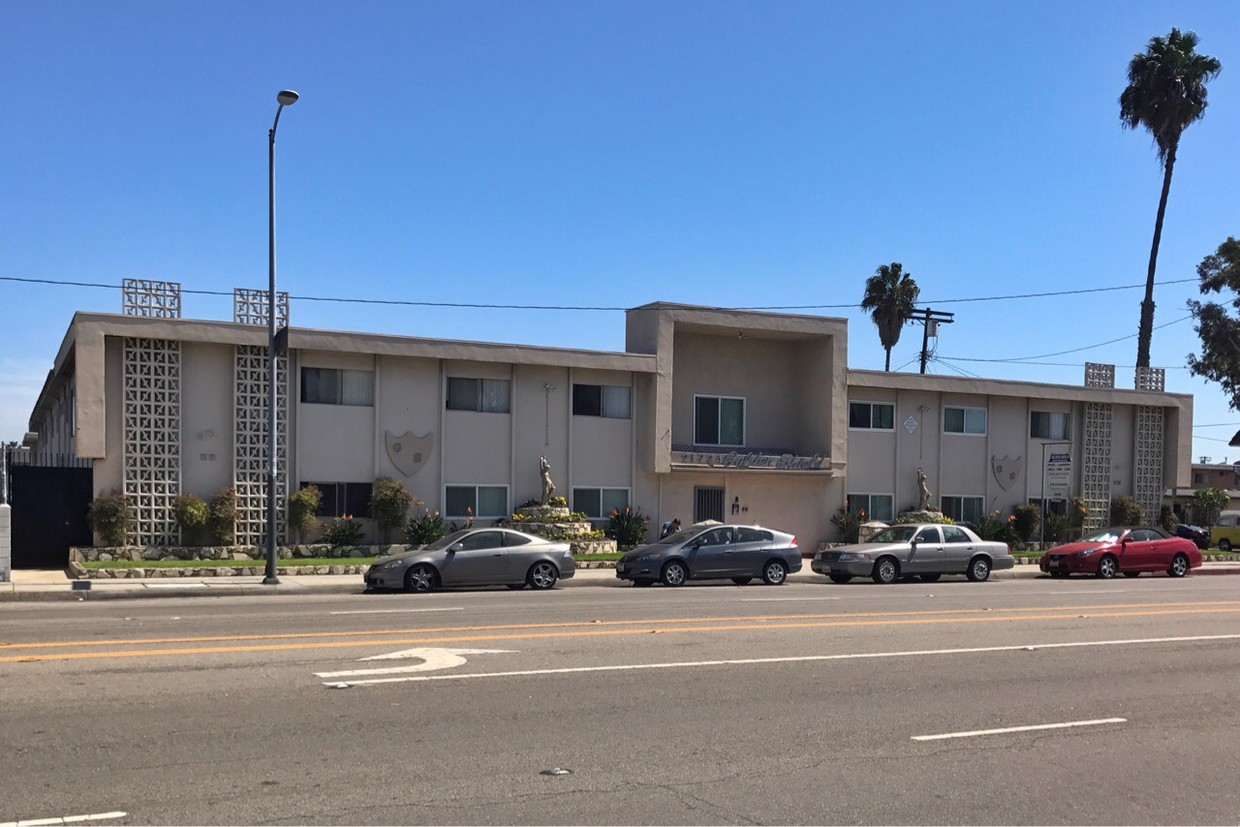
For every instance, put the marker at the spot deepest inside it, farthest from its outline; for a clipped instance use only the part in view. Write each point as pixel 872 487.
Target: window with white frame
pixel 873 506
pixel 486 502
pixel 332 386
pixel 718 420
pixel 343 499
pixel 873 416
pixel 964 509
pixel 598 503
pixel 485 395
pixel 971 421
pixel 610 401
pixel 1049 425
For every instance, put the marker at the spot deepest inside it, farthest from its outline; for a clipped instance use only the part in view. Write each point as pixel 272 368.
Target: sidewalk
pixel 56 585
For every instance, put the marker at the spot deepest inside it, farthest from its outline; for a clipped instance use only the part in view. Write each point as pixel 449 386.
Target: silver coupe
pixel 911 550
pixel 476 557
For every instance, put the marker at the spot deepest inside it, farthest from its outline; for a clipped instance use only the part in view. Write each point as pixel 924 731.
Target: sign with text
pixel 754 459
pixel 1058 475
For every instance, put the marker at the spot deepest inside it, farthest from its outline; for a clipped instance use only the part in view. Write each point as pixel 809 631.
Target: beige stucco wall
pixel 333 443
pixel 409 400
pixel 206 418
pixel 477 446
pixel 109 468
pixel 603 450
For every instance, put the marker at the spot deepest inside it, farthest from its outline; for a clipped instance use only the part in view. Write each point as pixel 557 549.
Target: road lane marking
pixel 783 599
pixel 39 822
pixel 568 670
pixel 399 611
pixel 432 660
pixel 1007 730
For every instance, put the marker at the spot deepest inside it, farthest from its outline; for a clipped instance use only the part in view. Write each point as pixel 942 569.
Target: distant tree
pixel 1219 331
pixel 1166 92
pixel 1206 504
pixel 890 296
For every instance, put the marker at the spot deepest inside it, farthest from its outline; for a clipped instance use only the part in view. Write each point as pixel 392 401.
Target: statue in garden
pixel 923 491
pixel 548 487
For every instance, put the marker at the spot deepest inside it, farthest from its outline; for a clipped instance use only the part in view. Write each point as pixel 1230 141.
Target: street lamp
pixel 285 97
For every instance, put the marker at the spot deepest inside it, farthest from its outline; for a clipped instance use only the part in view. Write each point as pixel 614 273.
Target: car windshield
pixel 678 537
pixel 895 534
pixel 1107 535
pixel 446 540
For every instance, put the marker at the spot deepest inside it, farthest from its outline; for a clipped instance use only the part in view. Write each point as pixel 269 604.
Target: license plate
pixel 1056 564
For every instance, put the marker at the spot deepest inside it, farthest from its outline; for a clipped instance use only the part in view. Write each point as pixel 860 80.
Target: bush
pixel 849 524
pixel 343 531
pixel 425 528
pixel 627 527
pixel 390 502
pixel 1167 520
pixel 111 517
pixel 941 519
pixel 1126 511
pixel 557 502
pixel 192 514
pixel 1056 527
pixel 1025 521
pixel 995 529
pixel 1077 512
pixel 222 517
pixel 303 504
pixel 1206 504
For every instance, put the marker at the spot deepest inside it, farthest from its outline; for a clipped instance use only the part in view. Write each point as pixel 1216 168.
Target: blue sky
pixel 740 154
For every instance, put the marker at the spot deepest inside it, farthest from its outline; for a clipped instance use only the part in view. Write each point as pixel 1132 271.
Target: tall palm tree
pixel 1166 92
pixel 890 296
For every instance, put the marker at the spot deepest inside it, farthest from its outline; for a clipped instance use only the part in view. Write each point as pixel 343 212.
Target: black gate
pixel 707 504
pixel 49 509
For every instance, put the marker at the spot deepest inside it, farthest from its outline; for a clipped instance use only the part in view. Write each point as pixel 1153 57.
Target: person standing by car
pixel 670 528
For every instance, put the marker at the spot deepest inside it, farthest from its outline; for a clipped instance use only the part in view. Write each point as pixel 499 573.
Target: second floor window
pixel 718 420
pixel 1048 425
pixel 964 421
pixel 610 401
pixel 331 386
pixel 486 395
pixel 877 416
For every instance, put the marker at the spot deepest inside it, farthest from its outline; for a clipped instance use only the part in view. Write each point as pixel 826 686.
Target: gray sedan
pixel 476 557
pixel 739 553
pixel 924 551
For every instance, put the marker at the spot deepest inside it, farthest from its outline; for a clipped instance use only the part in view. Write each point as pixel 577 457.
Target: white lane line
pixel 170 586
pixel 1031 728
pixel 793 659
pixel 400 611
pixel 39 822
pixel 783 599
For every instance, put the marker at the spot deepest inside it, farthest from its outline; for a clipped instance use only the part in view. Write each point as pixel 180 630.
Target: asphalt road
pixel 708 704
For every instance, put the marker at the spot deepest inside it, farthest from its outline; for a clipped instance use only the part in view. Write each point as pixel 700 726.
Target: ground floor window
pixel 487 502
pixel 964 509
pixel 598 503
pixel 874 506
pixel 339 499
pixel 707 504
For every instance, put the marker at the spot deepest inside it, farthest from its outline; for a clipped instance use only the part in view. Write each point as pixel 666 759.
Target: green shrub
pixel 995 529
pixel 849 524
pixel 222 517
pixel 627 527
pixel 1077 512
pixel 1126 511
pixel 941 519
pixel 425 528
pixel 390 502
pixel 1206 504
pixel 303 504
pixel 192 514
pixel 343 531
pixel 1056 527
pixel 557 502
pixel 1025 521
pixel 111 517
pixel 1167 520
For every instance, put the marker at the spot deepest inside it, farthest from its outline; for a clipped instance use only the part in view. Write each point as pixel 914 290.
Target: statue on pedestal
pixel 923 491
pixel 548 487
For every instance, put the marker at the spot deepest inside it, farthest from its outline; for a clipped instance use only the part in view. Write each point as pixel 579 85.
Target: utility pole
pixel 930 320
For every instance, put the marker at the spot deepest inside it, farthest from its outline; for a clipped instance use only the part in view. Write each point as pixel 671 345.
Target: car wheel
pixel 1132 574
pixel 542 575
pixel 674 574
pixel 1107 567
pixel 840 576
pixel 1179 566
pixel 979 569
pixel 741 581
pixel 1059 575
pixel 516 587
pixel 421 578
pixel 774 572
pixel 886 570
pixel 643 582
pixel 930 578
pixel 1224 545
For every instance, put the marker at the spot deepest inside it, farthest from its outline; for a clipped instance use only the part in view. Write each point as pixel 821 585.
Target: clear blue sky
pixel 611 154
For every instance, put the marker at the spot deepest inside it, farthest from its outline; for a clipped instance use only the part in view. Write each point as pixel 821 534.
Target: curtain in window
pixel 492 500
pixel 357 387
pixel 495 395
pixel 731 422
pixel 615 402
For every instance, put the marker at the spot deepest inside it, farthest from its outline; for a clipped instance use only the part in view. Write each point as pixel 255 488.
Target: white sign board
pixel 1058 475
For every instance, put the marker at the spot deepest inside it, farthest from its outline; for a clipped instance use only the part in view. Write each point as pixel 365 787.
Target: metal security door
pixel 49 514
pixel 707 504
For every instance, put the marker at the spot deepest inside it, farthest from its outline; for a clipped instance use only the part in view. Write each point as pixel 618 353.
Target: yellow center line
pixel 610 632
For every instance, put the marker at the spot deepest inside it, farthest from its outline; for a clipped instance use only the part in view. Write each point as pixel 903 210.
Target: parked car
pixel 1197 534
pixel 1127 550
pixel 714 552
pixel 1225 533
pixel 476 557
pixel 926 551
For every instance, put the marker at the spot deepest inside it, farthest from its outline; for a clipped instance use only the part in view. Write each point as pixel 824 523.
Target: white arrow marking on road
pixel 43 822
pixel 1010 729
pixel 432 659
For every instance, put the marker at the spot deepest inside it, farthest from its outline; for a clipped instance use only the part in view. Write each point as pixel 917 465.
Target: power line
pixel 1020 359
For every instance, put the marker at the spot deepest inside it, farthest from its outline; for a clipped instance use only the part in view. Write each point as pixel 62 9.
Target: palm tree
pixel 890 295
pixel 1166 92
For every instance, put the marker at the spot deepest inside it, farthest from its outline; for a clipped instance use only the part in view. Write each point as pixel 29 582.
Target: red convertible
pixel 1123 550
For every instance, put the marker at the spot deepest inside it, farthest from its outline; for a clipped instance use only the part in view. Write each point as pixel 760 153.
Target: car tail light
pixel 794 541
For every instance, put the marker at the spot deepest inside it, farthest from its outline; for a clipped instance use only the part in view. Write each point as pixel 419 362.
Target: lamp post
pixel 285 97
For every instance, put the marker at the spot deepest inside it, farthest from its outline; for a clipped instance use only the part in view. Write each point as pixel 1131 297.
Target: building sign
pixel 1058 475
pixel 754 459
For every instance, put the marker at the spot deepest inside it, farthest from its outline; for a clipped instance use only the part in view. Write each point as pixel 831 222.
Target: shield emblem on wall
pixel 1006 470
pixel 408 452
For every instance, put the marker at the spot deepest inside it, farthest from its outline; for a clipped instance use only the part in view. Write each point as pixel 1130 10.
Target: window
pixel 875 506
pixel 1200 478
pixel 970 421
pixel 876 416
pixel 481 540
pixel 753 535
pixel 964 509
pixel 955 534
pixel 610 401
pixel 598 503
pixel 929 534
pixel 715 537
pixel 482 501
pixel 329 386
pixel 718 420
pixel 341 498
pixel 511 540
pixel 1049 425
pixel 486 395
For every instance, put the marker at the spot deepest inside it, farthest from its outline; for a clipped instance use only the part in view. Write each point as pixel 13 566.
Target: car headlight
pixel 854 557
pixel 391 564
pixel 1089 552
pixel 651 555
